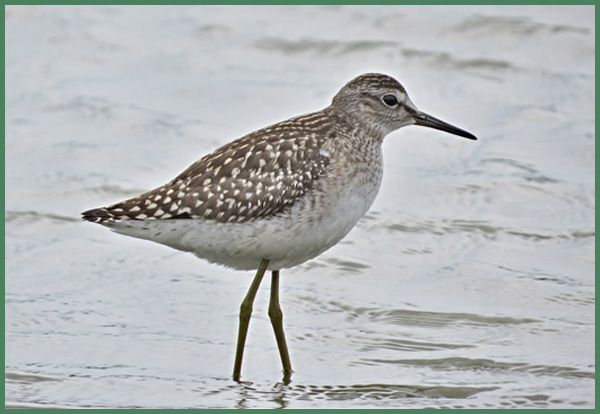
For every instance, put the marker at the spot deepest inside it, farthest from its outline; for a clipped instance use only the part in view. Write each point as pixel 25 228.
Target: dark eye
pixel 390 100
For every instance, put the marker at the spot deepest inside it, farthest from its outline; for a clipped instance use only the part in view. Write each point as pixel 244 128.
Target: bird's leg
pixel 277 321
pixel 245 313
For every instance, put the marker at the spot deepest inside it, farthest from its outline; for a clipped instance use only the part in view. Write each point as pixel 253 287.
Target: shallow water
pixel 470 283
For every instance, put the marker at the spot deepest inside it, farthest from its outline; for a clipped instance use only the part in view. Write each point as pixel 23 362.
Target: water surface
pixel 470 283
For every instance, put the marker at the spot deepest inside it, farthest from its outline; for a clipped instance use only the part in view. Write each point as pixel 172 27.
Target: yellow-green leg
pixel 277 321
pixel 245 313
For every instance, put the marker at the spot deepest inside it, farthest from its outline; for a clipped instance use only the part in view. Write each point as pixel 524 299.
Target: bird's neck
pixel 356 126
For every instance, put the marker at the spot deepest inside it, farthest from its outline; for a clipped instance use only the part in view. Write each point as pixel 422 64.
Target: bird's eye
pixel 390 100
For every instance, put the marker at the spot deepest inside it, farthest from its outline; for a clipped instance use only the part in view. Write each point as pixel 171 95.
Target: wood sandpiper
pixel 279 196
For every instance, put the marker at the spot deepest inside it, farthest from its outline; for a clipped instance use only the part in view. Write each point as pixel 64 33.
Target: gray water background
pixel 470 283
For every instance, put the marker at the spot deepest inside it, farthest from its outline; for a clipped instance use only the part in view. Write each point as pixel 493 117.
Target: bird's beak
pixel 425 120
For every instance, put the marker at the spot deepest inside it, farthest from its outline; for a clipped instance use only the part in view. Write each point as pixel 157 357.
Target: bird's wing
pixel 258 175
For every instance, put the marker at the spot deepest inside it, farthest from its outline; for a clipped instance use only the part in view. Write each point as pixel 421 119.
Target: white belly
pixel 307 230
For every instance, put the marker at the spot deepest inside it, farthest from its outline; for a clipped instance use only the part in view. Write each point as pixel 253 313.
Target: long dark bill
pixel 429 121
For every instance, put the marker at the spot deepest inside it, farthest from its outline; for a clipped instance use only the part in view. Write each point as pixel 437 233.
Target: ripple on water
pixel 365 395
pixel 30 216
pixel 384 391
pixel 408 317
pixel 513 26
pixel 407 345
pixel 482 228
pixel 347 265
pixel 321 47
pixel 484 364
